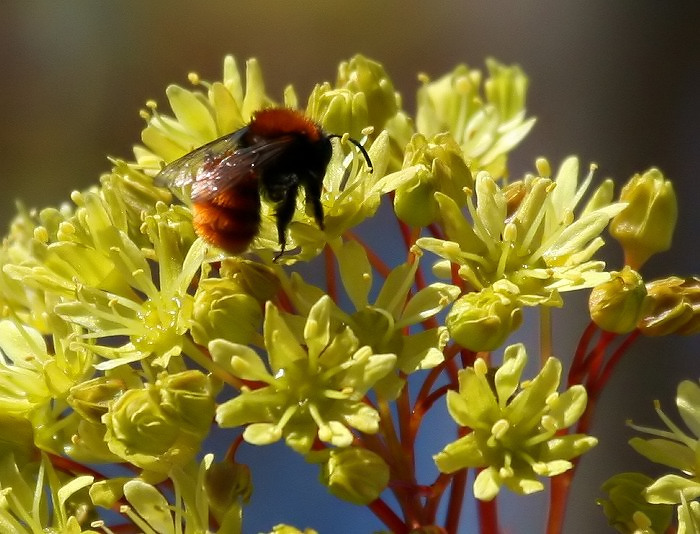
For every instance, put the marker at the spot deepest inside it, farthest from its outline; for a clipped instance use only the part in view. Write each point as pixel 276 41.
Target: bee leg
pixel 278 255
pixel 312 190
pixel 284 214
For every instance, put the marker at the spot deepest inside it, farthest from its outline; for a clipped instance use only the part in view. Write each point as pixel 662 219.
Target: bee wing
pixel 183 171
pixel 220 164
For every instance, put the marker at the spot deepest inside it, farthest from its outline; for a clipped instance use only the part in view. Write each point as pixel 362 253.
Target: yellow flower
pixel 312 389
pixel 514 426
pixel 486 126
pixel 538 245
pixel 200 118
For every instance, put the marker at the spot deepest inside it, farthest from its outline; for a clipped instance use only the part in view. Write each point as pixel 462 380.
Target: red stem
pixel 331 282
pixel 488 516
pixel 436 231
pixel 437 490
pixel 284 302
pixel 558 495
pixel 388 517
pixel 595 360
pixel 407 235
pixel 426 403
pixel 595 382
pixel 604 376
pixel 576 370
pixel 233 448
pixel 403 406
pixel 67 465
pixel 456 279
pixel 454 505
pixel 468 357
pixel 403 479
pixel 433 375
pixel 452 371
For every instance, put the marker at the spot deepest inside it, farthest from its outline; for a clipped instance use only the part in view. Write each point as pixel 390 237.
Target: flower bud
pixel 646 225
pixel 674 307
pixel 255 279
pixel 627 509
pixel 364 76
pixel 338 110
pixel 618 304
pixel 226 484
pixel 355 475
pixel 186 398
pixel 91 398
pixel 414 202
pixel 482 321
pixel 444 170
pixel 163 425
pixel 223 310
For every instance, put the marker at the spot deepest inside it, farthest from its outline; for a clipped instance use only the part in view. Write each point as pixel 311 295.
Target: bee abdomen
pixel 230 223
pixel 245 196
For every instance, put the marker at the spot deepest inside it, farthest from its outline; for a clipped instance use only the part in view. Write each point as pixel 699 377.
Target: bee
pixel 278 152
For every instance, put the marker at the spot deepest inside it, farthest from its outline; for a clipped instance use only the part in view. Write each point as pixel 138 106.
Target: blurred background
pixel 615 82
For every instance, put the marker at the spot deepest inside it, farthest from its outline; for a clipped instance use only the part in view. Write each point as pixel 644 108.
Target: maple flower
pixel 514 430
pixel 382 322
pixel 314 387
pixel 539 245
pixel 487 122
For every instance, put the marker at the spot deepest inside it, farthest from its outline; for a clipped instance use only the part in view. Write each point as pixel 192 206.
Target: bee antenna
pixel 360 148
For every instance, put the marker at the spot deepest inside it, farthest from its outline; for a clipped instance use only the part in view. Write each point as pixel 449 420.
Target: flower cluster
pixel 126 336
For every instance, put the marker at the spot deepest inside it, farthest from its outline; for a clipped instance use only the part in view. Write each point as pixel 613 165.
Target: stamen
pixel 543 167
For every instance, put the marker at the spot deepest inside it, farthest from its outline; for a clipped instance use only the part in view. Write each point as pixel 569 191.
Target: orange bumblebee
pixel 278 152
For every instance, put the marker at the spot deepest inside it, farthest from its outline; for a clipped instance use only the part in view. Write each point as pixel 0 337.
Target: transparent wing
pixel 220 164
pixel 183 171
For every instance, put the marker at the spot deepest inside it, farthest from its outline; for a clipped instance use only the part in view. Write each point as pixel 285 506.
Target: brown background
pixel 614 81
